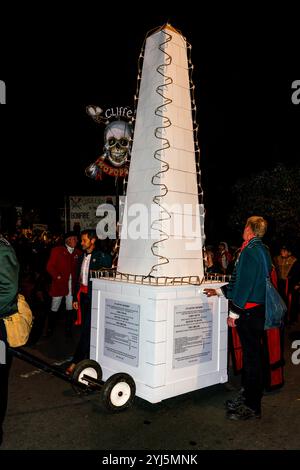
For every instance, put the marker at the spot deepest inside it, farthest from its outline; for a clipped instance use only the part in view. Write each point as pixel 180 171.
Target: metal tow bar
pixel 79 378
pixel 117 392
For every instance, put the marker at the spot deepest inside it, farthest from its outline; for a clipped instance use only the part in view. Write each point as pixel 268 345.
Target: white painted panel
pixel 156 352
pixel 94 318
pixel 156 331
pixel 223 339
pixel 157 310
pixel 156 374
pixel 94 337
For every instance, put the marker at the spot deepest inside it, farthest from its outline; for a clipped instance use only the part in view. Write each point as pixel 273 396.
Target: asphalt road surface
pixel 45 413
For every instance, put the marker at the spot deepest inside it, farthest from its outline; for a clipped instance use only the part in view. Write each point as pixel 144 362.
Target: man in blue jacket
pixel 9 272
pixel 246 294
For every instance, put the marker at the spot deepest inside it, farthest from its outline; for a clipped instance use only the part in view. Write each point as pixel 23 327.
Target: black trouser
pixel 250 327
pixel 83 348
pixel 4 374
pixel 69 320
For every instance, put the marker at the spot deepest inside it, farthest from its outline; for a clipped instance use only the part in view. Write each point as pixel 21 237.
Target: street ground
pixel 45 413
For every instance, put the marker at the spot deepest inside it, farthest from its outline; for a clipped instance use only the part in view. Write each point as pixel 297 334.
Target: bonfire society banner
pixel 83 210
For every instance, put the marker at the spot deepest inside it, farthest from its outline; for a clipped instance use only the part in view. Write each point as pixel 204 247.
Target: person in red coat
pixel 62 267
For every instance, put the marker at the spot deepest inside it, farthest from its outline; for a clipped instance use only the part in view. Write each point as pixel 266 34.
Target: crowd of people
pixel 285 268
pixel 33 249
pixel 53 267
pixel 40 254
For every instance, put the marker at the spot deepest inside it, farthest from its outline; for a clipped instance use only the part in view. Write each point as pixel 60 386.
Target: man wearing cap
pixel 62 267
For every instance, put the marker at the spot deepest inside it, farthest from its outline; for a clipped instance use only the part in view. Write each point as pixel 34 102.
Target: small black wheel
pixel 89 368
pixel 118 392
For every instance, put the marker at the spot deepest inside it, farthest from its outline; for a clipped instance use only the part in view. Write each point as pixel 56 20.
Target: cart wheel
pixel 118 392
pixel 86 367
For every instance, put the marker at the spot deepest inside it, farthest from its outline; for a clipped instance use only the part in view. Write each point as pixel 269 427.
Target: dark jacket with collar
pixel 99 260
pixel 9 272
pixel 248 281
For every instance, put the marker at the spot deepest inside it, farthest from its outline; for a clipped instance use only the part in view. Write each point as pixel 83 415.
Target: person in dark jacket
pixel 9 272
pixel 91 259
pixel 246 294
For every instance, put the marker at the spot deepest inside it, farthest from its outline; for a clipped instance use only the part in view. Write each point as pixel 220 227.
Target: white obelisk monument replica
pixel 163 177
pixel 152 320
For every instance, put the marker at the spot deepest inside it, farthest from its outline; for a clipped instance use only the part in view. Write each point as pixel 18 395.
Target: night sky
pixel 244 67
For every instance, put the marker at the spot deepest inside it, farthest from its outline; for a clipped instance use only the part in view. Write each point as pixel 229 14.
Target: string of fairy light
pixel 164 214
pixel 196 141
pixel 193 102
pixel 195 124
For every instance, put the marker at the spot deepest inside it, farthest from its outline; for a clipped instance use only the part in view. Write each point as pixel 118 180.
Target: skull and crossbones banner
pixel 117 143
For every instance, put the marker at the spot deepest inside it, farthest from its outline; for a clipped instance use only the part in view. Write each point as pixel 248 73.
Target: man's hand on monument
pixel 210 292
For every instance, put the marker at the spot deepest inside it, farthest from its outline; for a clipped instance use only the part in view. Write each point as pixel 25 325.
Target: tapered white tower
pixel 162 229
pixel 157 326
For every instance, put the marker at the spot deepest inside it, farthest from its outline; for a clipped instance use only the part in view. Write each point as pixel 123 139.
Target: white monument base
pixel 170 339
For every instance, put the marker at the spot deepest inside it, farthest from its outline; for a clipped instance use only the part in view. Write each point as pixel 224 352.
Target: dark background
pixel 57 62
